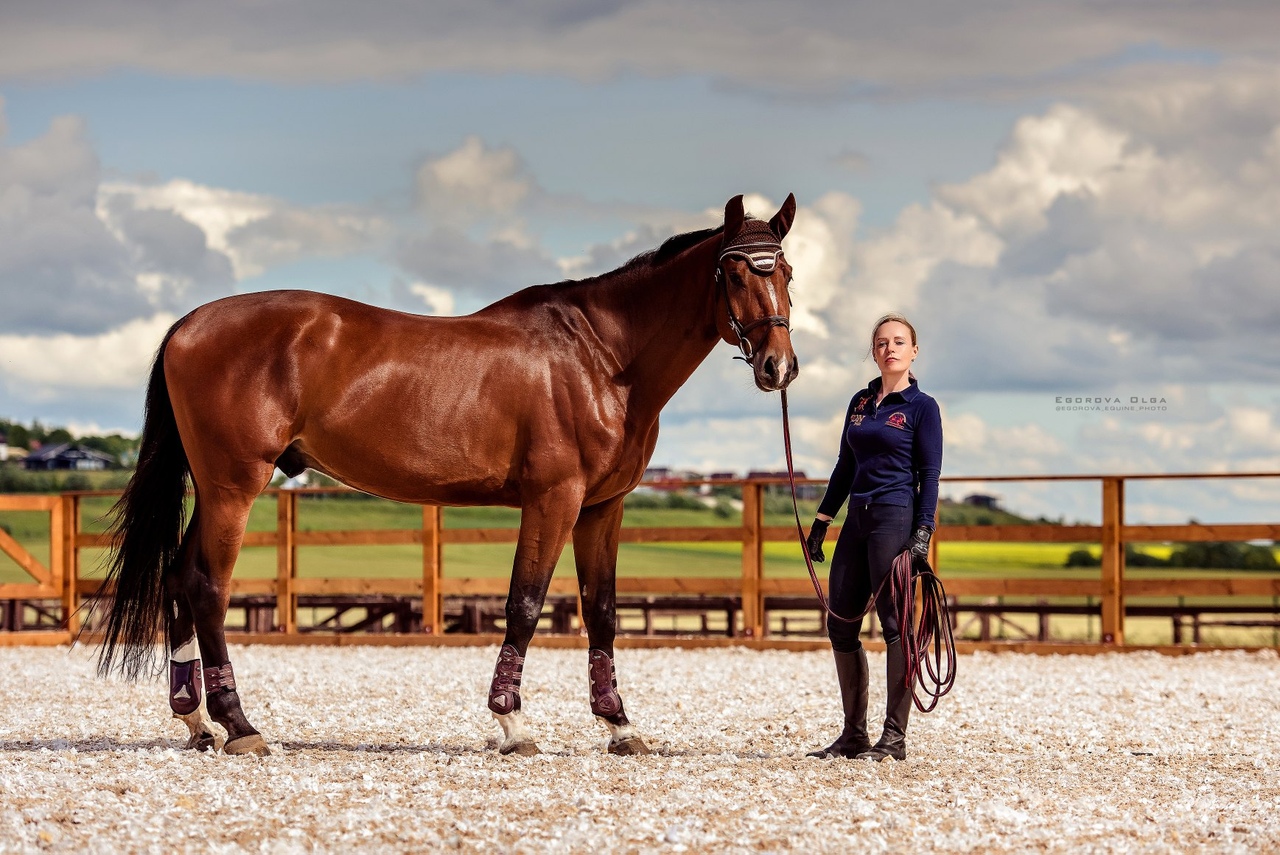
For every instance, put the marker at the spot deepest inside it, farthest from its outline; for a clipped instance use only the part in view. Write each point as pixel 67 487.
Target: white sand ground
pixel 379 749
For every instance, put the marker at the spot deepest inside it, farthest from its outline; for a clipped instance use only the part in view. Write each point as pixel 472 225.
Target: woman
pixel 890 458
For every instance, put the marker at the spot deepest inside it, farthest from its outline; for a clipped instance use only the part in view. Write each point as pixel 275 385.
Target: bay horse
pixel 547 400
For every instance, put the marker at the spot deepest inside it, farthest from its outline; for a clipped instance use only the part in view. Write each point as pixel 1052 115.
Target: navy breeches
pixel 872 536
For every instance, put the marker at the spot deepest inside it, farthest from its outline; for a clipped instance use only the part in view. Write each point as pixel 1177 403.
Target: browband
pixel 763 257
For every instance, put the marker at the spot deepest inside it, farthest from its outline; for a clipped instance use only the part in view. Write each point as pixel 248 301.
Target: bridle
pixel 762 258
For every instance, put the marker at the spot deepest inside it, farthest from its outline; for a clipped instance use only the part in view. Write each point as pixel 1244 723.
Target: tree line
pixel 1209 555
pixel 123 450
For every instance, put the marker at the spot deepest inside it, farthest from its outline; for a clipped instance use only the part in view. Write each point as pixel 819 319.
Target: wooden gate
pixel 51 582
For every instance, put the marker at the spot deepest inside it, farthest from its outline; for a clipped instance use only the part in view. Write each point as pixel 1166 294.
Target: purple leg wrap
pixel 184 686
pixel 605 700
pixel 504 692
pixel 219 679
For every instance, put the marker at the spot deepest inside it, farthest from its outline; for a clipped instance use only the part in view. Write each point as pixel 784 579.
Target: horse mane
pixel 669 249
pixel 673 246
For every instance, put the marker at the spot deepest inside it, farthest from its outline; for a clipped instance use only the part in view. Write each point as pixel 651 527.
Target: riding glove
pixel 817 533
pixel 918 546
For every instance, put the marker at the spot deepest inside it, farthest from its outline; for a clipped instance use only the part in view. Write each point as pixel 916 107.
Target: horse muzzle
pixel 774 368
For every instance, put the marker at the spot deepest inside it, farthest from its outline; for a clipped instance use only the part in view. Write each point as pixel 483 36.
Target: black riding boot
pixel 851 671
pixel 893 741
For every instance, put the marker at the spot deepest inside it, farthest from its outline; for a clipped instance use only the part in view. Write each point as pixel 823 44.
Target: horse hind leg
pixel 218 534
pixel 186 686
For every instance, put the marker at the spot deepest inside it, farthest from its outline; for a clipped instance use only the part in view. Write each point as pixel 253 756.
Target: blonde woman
pixel 888 468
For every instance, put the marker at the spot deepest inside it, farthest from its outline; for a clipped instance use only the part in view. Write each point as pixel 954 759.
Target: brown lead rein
pixel 935 620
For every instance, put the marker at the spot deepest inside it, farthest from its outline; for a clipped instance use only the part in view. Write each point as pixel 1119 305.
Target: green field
pixel 333 513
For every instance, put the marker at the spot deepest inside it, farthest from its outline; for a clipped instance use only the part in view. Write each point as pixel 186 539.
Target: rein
pixel 934 624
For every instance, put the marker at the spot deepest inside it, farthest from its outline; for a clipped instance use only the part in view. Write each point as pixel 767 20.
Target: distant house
pixel 980 500
pixel 68 456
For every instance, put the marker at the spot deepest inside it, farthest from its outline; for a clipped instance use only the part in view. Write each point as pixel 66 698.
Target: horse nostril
pixel 770 367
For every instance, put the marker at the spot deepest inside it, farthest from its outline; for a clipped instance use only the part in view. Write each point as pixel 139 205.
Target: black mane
pixel 677 244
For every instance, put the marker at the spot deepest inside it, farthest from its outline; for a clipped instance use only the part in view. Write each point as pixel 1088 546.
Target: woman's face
pixel 892 347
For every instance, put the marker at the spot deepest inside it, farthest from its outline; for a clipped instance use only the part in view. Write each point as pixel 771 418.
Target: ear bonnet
pixel 756 244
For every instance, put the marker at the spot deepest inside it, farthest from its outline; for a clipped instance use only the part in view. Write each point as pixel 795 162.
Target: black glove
pixel 817 533
pixel 918 546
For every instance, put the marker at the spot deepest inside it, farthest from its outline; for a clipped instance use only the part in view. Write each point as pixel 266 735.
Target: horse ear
pixel 733 217
pixel 781 222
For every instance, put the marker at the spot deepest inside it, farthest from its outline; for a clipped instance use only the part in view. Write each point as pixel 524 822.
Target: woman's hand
pixel 817 533
pixel 918 545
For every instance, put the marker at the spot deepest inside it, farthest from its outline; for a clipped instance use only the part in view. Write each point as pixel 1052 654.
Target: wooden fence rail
pixel 62 578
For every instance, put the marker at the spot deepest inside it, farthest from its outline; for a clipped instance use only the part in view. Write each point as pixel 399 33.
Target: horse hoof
pixel 632 746
pixel 251 744
pixel 527 748
pixel 202 742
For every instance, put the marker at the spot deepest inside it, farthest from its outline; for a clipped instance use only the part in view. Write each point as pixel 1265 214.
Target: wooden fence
pixel 1111 588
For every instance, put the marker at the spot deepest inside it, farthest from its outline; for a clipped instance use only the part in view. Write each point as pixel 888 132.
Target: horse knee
pixel 600 610
pixel 523 613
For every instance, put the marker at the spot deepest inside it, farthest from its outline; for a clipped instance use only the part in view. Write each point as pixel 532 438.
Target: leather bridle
pixel 762 260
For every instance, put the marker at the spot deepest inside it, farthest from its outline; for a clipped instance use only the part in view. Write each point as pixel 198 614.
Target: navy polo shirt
pixel 890 454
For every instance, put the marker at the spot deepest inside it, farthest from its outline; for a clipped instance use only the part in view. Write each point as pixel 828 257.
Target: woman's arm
pixel 926 455
pixel 841 480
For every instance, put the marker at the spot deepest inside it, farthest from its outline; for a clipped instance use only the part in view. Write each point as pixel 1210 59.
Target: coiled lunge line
pixel 934 624
pixel 932 628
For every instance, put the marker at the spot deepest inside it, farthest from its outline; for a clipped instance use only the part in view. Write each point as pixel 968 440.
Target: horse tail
pixel 146 534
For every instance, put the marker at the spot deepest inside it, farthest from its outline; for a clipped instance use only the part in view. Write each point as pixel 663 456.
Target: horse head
pixel 753 278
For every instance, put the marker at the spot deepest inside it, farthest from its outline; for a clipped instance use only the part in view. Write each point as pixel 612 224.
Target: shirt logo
pixel 862 402
pixel 897 420
pixel 855 419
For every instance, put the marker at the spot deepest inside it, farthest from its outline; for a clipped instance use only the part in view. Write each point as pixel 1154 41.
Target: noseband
pixel 762 258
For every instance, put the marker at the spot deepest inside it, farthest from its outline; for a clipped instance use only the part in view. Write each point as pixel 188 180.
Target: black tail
pixel 146 531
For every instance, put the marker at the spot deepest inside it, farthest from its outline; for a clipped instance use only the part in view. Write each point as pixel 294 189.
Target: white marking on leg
pixel 187 651
pixel 514 728
pixel 619 733
pixel 199 725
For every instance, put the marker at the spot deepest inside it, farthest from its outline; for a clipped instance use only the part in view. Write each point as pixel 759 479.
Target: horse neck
pixel 660 325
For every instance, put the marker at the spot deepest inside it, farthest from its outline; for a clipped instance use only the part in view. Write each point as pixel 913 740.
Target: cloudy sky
pixel 1070 199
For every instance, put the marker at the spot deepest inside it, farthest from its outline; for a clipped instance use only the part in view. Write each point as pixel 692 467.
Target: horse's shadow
pixel 99 745
pixel 103 745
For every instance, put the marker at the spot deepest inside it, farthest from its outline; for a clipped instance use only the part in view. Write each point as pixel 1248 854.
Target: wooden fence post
pixel 1112 561
pixel 70 563
pixel 432 569
pixel 286 561
pixel 752 559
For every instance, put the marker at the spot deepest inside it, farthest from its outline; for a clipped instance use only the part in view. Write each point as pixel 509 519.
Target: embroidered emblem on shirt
pixel 897 420
pixel 862 402
pixel 855 419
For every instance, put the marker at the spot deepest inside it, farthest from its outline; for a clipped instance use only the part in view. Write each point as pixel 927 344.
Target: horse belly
pixel 438 472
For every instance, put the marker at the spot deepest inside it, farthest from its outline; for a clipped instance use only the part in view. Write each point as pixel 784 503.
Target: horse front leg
pixel 544 528
pixel 595 549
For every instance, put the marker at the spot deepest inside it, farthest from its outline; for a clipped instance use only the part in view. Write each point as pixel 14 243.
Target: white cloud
pixel 59 267
pixel 863 47
pixel 473 182
pixel 254 231
pixel 119 358
pixel 438 301
pixel 1093 253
